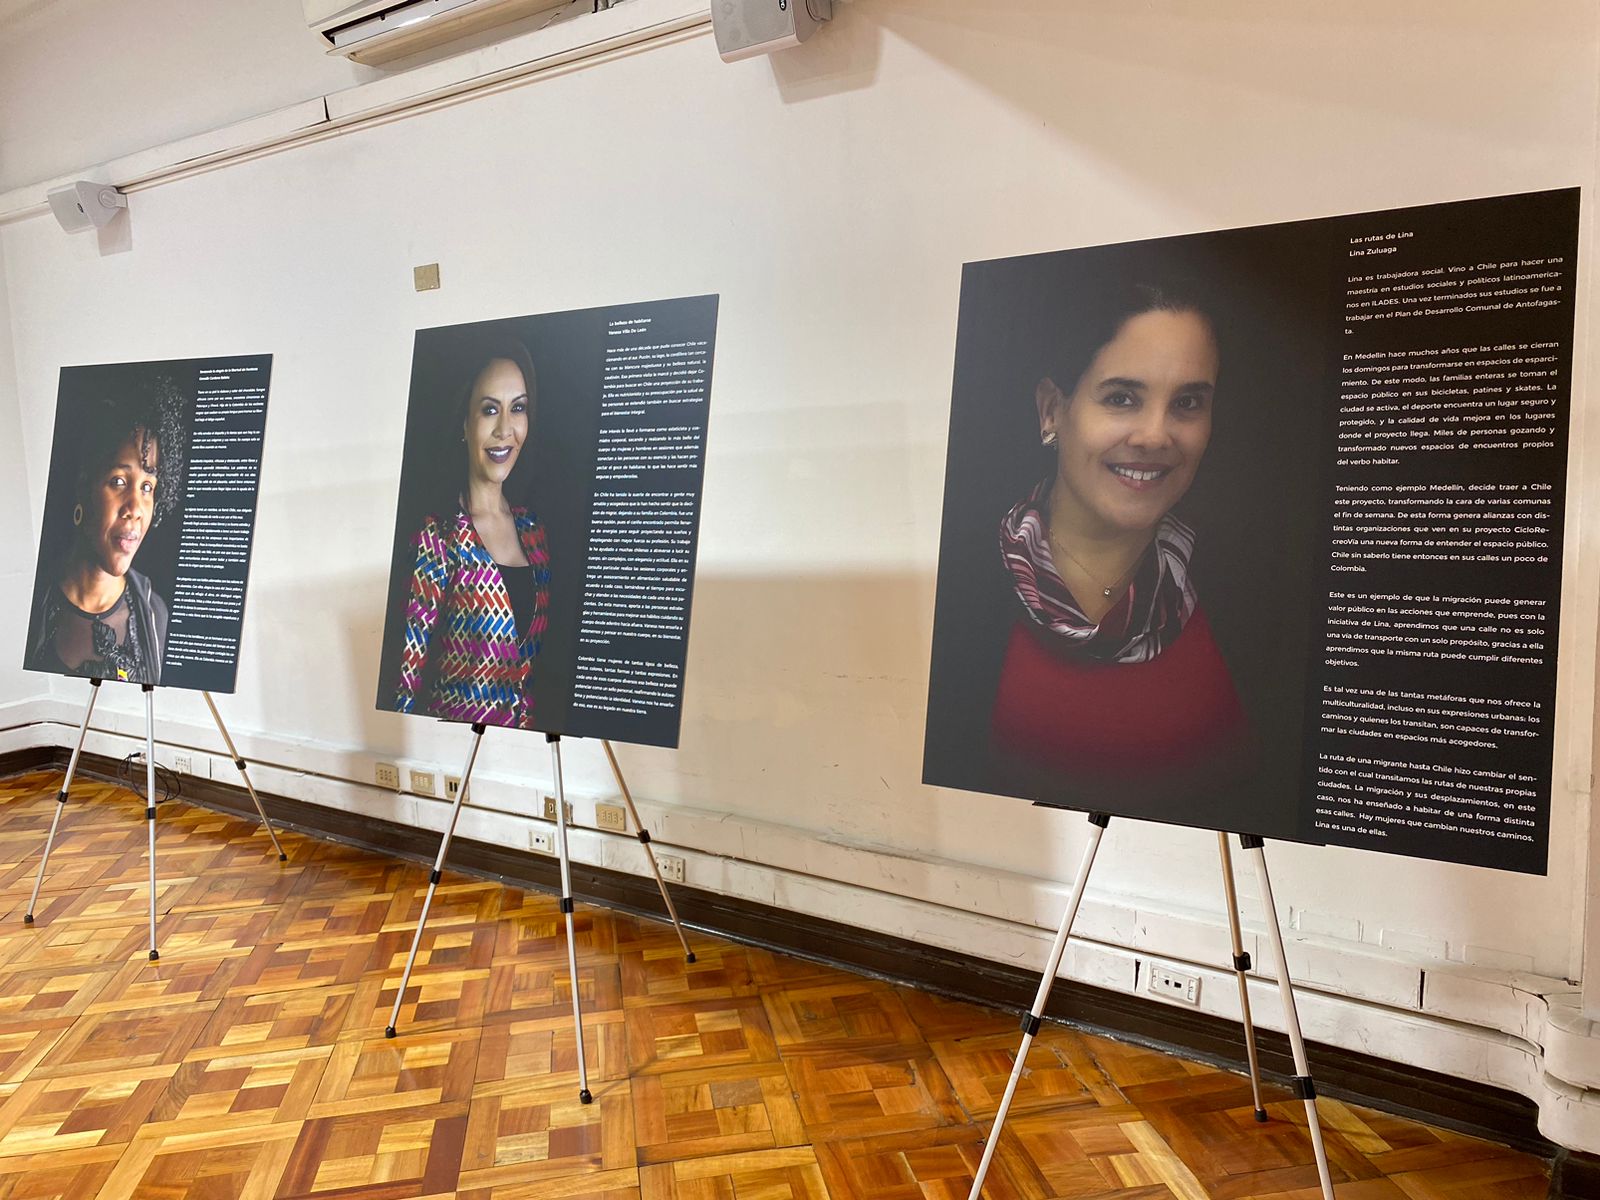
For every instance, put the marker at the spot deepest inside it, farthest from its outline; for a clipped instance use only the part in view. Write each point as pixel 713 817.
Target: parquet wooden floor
pixel 250 1061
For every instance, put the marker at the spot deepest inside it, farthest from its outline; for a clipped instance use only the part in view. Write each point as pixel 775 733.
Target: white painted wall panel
pixel 83 81
pixel 18 531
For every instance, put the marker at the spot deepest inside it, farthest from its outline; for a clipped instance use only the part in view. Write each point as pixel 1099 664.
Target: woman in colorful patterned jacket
pixel 480 590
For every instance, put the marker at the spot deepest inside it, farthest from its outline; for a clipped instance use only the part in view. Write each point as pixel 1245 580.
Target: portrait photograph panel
pixel 1253 530
pixel 543 558
pixel 144 548
pixel 1133 436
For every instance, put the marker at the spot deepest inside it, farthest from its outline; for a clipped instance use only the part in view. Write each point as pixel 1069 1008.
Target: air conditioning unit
pixel 376 31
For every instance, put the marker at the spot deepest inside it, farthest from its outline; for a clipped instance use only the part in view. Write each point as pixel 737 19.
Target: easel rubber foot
pixel 27 918
pixel 388 1031
pixel 154 955
pixel 584 1097
pixel 283 858
pixel 1261 1115
pixel 688 958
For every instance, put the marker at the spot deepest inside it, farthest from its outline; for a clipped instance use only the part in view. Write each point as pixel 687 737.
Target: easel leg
pixel 244 775
pixel 566 907
pixel 1035 1018
pixel 644 840
pixel 1241 967
pixel 61 800
pixel 150 801
pixel 1303 1086
pixel 433 880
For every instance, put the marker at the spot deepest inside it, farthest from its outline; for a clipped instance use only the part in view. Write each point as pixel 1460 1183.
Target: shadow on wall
pixel 808 690
pixel 310 654
pixel 842 56
pixel 319 573
pixel 116 237
pixel 804 700
pixel 16 589
pixel 1156 94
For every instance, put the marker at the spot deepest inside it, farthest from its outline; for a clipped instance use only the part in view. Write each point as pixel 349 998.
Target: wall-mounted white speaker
pixel 746 28
pixel 85 205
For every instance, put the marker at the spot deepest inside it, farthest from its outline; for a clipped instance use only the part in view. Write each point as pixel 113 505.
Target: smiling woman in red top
pixel 1111 674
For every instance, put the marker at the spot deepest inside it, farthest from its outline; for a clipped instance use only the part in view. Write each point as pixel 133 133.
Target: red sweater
pixel 1174 716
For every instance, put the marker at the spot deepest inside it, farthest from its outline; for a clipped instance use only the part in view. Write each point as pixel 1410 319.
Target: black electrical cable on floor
pixel 132 776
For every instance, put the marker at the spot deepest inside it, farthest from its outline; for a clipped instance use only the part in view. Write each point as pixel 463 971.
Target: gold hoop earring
pixel 77 514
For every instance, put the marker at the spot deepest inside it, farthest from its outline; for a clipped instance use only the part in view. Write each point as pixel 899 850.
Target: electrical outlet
pixel 611 816
pixel 452 786
pixel 386 775
pixel 671 867
pixel 541 840
pixel 550 809
pixel 421 782
pixel 183 762
pixel 1174 985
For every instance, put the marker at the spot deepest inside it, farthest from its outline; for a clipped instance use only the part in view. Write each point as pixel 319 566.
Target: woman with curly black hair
pixel 96 616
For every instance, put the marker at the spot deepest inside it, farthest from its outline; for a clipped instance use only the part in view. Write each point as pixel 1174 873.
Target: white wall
pixel 86 80
pixel 18 533
pixel 830 197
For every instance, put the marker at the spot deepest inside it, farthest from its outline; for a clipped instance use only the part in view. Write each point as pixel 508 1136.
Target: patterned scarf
pixel 1158 601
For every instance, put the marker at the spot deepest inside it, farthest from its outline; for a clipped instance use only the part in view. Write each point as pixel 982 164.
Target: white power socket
pixel 1174 985
pixel 671 867
pixel 541 840
pixel 183 762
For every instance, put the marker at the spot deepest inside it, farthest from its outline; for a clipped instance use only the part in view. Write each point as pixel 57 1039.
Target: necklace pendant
pixel 1106 592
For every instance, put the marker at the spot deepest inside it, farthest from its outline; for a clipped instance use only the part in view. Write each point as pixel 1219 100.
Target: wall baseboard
pixel 1443 1100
